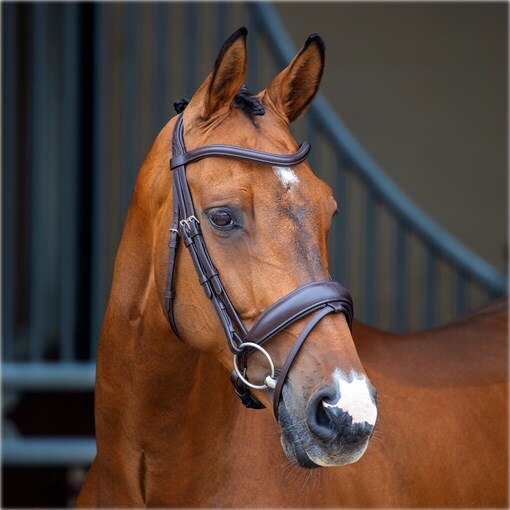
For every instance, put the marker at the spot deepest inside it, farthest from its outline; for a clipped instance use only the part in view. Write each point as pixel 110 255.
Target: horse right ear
pixel 220 87
pixel 292 91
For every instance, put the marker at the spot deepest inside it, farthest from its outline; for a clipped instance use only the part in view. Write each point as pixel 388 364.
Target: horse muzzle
pixel 334 429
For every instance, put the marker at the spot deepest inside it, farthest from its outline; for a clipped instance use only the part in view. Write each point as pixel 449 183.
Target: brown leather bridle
pixel 319 297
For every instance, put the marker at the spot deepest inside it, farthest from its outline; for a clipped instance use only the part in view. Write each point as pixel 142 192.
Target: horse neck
pixel 149 384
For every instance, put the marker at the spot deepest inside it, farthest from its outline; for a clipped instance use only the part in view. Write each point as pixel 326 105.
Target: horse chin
pixel 292 444
pixel 297 455
pixel 340 459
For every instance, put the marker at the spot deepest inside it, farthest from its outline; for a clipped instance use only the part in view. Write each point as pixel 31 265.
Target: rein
pixel 322 297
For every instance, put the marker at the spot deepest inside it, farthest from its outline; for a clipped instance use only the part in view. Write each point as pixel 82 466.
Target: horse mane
pixel 244 99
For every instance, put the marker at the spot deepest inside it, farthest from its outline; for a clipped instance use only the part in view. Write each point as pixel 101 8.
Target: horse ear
pixel 292 91
pixel 229 72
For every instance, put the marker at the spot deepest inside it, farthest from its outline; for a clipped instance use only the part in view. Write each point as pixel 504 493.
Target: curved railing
pixel 439 244
pixel 440 240
pixel 103 77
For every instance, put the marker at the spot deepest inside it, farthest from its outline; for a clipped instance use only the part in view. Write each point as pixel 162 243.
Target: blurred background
pixel 410 131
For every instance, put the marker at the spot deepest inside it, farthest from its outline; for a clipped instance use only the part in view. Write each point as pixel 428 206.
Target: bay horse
pixel 169 428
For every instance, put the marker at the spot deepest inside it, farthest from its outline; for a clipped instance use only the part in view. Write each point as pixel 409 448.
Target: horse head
pixel 265 228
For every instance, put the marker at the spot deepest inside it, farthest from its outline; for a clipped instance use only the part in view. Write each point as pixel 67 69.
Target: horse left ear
pixel 292 91
pixel 220 87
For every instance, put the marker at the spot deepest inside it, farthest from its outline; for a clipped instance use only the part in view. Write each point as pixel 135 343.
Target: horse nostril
pixel 319 420
pixel 323 425
pixel 329 422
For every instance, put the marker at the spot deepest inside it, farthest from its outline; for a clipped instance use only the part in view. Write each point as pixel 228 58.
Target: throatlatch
pixel 320 298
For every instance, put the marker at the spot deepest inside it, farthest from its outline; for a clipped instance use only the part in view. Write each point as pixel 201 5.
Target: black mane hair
pixel 244 100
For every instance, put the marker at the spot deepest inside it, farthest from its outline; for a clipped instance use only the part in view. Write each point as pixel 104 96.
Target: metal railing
pixel 86 89
pixel 381 192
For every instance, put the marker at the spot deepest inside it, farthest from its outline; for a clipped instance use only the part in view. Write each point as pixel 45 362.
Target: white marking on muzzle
pixel 354 398
pixel 286 175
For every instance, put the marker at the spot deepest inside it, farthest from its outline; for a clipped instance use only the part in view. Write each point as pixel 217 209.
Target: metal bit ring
pixel 270 377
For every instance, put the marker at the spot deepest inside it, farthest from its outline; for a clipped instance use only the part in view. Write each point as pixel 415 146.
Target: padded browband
pixel 297 304
pixel 231 151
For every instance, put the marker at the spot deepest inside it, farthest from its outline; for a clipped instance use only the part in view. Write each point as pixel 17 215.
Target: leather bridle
pixel 319 298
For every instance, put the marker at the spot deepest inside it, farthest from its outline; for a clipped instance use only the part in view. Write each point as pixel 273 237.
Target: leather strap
pixel 295 305
pixel 284 372
pixel 322 297
pixel 186 225
pixel 232 151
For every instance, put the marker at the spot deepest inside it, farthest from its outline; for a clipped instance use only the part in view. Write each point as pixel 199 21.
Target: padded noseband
pixel 319 298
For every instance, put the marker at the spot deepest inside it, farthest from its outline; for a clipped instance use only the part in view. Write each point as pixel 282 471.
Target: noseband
pixel 319 298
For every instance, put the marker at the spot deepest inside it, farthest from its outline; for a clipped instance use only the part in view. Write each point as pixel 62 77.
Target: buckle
pixel 186 223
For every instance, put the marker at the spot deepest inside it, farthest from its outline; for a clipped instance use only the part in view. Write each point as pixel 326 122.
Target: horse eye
pixel 221 219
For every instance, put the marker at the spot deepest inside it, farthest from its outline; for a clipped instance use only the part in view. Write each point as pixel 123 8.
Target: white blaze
pixel 354 398
pixel 286 175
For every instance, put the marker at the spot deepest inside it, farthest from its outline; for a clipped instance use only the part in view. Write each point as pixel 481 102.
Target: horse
pixel 365 418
